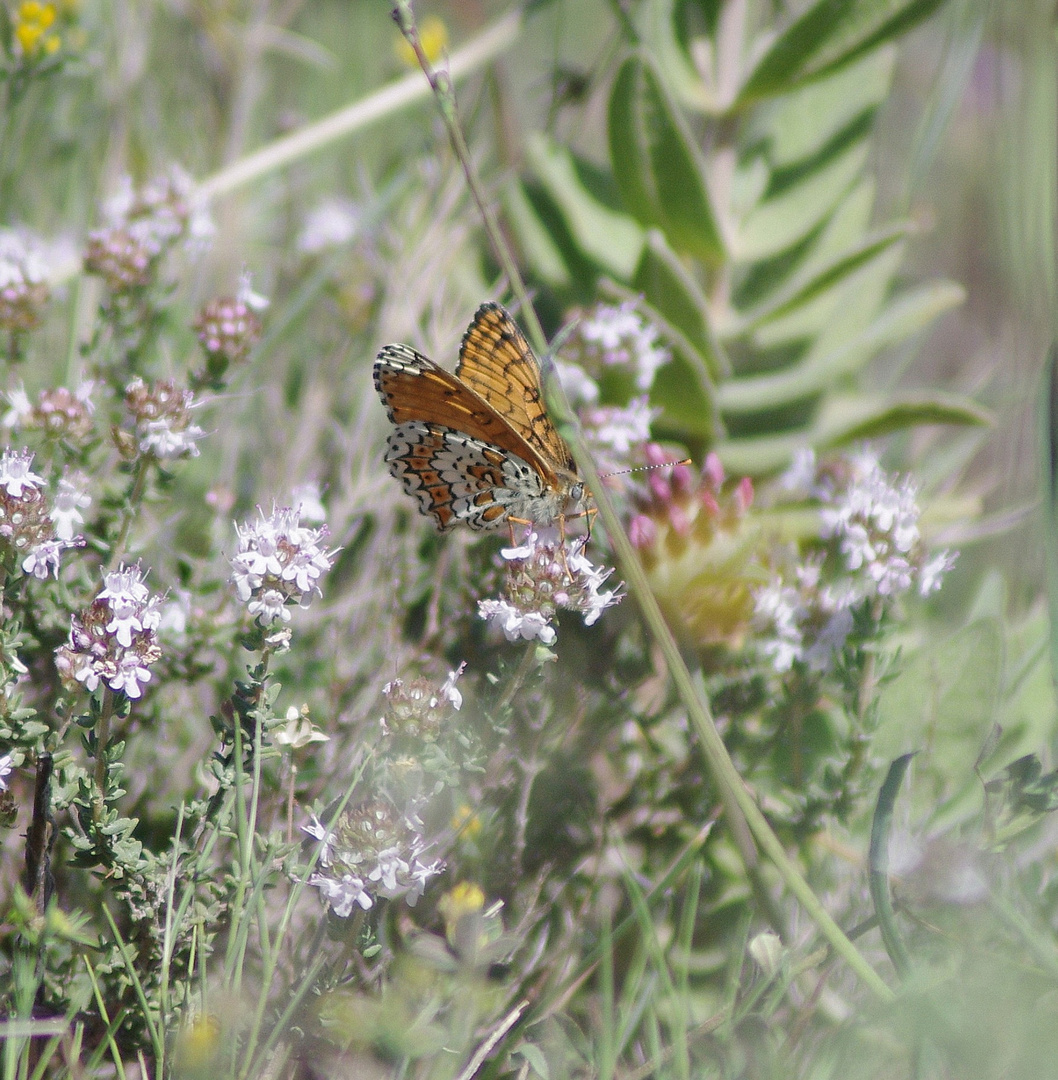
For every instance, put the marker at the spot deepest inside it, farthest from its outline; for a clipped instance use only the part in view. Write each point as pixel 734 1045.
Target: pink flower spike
pixel 678 519
pixel 682 479
pixel 713 471
pixel 709 503
pixel 655 454
pixel 744 495
pixel 642 531
pixel 660 487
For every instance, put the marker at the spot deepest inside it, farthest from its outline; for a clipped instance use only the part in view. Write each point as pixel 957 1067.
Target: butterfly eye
pixel 576 493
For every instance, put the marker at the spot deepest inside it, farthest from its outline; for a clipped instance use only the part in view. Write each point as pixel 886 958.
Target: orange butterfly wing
pixel 414 388
pixel 496 362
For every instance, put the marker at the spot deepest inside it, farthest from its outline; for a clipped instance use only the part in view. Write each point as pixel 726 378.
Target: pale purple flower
pixel 342 893
pixel 15 473
pixel 279 561
pixel 66 509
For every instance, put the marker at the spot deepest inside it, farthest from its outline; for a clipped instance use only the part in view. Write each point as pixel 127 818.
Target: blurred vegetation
pixel 835 223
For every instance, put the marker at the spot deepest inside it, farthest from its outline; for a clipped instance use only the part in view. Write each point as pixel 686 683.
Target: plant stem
pixel 441 84
pixel 102 738
pixel 139 482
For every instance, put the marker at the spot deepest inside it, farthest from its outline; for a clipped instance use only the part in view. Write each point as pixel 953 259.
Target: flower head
pixel 371 852
pixel 28 524
pixel 299 730
pixel 23 280
pixel 142 225
pixel 874 518
pixel 699 547
pixel 115 640
pixel 547 572
pixel 332 223
pixel 610 336
pixel 874 553
pixel 33 25
pixel 162 415
pixel 419 708
pixel 58 412
pixel 279 562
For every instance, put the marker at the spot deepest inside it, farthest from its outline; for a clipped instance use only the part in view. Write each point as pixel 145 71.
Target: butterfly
pixel 478 447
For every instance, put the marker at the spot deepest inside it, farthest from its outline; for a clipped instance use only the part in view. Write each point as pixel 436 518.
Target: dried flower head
pixel 23 280
pixel 58 412
pixel 545 573
pixel 418 709
pixel 279 562
pixel 371 852
pixel 162 415
pixel 115 640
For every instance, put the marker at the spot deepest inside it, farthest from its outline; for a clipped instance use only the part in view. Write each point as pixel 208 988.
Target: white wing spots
pixel 459 479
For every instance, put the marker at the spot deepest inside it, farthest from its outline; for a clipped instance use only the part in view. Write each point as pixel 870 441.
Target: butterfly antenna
pixel 645 468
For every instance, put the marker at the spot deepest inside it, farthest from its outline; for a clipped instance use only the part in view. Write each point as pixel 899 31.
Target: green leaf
pixel 1048 443
pixel 801 292
pixel 658 170
pixel 847 420
pixel 684 394
pixel 609 238
pixel 878 864
pixel 670 289
pixel 828 35
pixel 535 1057
pixel 801 126
pixel 784 219
pixel 656 22
pixel 899 319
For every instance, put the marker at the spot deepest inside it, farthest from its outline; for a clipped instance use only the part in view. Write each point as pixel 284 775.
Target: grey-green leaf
pixel 828 35
pixel 658 170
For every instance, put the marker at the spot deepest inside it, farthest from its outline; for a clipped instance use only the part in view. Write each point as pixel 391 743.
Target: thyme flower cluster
pixel 547 572
pixel 162 415
pixel 141 226
pixel 612 340
pixel 229 327
pixel 279 562
pixel 418 709
pixel 875 553
pixel 616 336
pixel 23 280
pixel 372 852
pixel 34 529
pixel 58 412
pixel 115 640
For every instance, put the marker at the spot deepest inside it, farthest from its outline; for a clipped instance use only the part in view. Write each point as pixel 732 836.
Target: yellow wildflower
pixel 32 25
pixel 433 36
pixel 466 823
